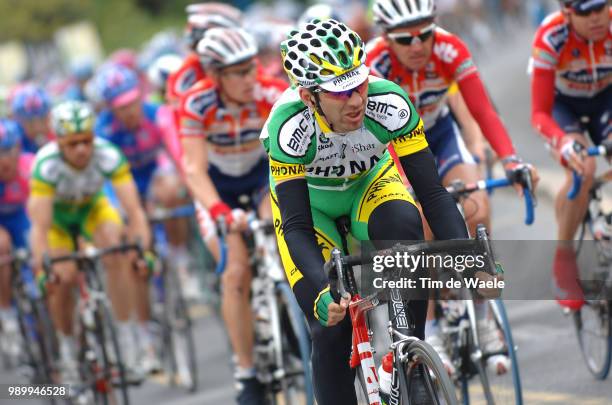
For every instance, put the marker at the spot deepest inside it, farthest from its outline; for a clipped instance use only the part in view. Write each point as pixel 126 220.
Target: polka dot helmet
pixel 321 52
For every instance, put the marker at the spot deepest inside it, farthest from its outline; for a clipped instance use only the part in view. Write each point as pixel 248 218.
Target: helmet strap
pixel 319 110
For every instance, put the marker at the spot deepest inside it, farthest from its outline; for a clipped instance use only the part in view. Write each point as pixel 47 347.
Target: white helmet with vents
pixel 222 47
pixel 391 14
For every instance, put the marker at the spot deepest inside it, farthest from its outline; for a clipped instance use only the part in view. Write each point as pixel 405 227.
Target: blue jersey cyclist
pixel 130 123
pixel 14 224
pixel 30 107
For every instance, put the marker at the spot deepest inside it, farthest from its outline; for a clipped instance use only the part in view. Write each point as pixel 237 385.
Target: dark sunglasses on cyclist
pixel 407 39
pixel 343 95
pixel 239 73
pixel 593 9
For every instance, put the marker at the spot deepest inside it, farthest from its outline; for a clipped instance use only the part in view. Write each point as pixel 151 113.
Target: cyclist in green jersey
pixel 327 140
pixel 66 196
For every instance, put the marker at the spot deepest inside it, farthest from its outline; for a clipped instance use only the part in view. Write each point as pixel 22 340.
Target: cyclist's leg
pixel 168 191
pixel 61 300
pixel 333 379
pixel 103 226
pixel 6 246
pixel 9 343
pixel 385 213
pixel 236 278
pixel 456 162
pixel 570 213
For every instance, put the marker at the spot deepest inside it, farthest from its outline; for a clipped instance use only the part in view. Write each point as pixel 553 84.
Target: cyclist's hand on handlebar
pixel 146 264
pixel 328 312
pixel 514 171
pixel 235 220
pixel 569 151
pixel 45 286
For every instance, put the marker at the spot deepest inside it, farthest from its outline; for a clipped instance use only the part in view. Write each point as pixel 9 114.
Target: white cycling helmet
pixel 163 67
pixel 222 47
pixel 391 14
pixel 318 11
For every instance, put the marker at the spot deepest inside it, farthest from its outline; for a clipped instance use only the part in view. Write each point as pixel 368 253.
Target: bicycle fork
pixel 363 354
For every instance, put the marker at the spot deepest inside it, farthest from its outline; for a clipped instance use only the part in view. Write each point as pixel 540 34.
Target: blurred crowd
pixel 477 21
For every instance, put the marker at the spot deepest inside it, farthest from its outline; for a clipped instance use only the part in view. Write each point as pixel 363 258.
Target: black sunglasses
pixel 586 13
pixel 407 39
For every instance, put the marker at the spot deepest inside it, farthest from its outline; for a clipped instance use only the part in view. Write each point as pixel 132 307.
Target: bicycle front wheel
pixel 505 387
pixel 424 378
pixel 594 329
pixel 182 344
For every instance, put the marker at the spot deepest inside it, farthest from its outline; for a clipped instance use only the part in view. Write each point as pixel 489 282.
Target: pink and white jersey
pixel 14 193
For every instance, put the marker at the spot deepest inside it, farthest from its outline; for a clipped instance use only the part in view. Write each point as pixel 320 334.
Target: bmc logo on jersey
pixel 446 52
pixel 295 134
pixel 389 110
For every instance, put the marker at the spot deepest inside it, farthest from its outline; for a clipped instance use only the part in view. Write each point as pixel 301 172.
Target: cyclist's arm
pixel 40 211
pixel 469 127
pixel 298 229
pixel 195 163
pixel 542 101
pixel 438 206
pixel 478 102
pixel 128 197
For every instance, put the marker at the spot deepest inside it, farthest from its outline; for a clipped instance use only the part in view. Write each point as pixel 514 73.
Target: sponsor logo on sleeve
pixel 390 110
pixel 199 103
pixel 556 37
pixel 283 171
pixel 446 52
pixel 295 134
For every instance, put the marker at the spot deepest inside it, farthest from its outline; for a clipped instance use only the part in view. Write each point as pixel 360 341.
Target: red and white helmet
pixel 397 13
pixel 223 47
pixel 203 16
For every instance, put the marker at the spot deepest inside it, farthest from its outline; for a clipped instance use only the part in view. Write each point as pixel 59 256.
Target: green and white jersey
pixel 300 144
pixel 52 176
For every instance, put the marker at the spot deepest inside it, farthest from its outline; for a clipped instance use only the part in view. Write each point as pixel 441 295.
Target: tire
pixel 296 343
pixel 98 371
pixel 514 395
pixel 424 359
pixel 47 340
pixel 593 324
pixel 179 331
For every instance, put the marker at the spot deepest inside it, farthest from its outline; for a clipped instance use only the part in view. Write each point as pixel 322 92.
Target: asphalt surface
pixel 552 369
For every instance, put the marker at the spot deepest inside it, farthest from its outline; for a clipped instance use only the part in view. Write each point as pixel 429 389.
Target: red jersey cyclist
pixel 221 118
pixel 571 88
pixel 425 61
pixel 200 17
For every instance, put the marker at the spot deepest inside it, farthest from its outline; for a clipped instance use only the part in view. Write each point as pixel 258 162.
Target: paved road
pixel 552 370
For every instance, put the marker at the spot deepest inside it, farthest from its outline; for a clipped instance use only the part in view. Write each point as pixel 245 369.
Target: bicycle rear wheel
pixel 594 329
pixel 424 371
pixel 38 335
pixel 181 344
